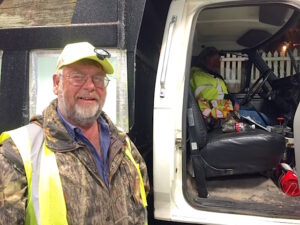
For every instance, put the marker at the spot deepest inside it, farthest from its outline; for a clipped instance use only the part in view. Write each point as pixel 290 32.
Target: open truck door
pixel 297 141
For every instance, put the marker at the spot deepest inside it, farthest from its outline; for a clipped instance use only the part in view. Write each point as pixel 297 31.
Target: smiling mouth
pixel 87 98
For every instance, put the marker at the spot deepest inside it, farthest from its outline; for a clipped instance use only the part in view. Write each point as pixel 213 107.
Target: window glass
pixel 232 66
pixel 43 66
pixel 232 29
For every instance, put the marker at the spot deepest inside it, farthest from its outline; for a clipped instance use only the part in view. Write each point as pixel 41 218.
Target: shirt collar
pixel 70 127
pixel 73 130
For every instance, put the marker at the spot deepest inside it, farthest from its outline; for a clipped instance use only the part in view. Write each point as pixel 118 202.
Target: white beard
pixel 80 115
pixel 86 115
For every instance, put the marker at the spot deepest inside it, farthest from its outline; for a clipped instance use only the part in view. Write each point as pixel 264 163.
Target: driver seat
pixel 215 153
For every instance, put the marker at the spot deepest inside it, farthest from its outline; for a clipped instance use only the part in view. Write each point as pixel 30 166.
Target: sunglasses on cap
pixel 101 53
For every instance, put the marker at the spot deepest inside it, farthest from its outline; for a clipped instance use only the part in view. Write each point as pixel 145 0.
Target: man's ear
pixel 56 80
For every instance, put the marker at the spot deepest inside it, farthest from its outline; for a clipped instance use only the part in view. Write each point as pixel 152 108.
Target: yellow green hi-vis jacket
pixel 63 184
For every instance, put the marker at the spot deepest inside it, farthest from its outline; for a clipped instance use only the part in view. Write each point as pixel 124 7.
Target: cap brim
pixel 107 67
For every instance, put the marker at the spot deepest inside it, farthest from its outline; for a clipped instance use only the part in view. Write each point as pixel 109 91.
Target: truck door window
pixel 42 67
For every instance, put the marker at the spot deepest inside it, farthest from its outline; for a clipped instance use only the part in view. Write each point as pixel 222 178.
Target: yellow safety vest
pixel 206 86
pixel 46 204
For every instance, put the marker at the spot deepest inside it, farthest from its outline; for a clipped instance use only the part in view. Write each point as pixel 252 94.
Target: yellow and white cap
pixel 83 50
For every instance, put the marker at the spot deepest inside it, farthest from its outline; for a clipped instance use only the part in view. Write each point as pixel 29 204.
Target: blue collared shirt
pixel 77 135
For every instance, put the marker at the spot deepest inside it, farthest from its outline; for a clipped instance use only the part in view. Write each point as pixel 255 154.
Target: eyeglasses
pixel 78 79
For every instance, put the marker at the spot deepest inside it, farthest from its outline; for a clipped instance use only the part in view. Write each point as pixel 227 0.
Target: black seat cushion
pixel 244 152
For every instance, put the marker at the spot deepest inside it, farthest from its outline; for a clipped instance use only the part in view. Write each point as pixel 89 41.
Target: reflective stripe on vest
pixel 46 204
pixel 219 87
pixel 137 166
pixel 207 86
pixel 142 187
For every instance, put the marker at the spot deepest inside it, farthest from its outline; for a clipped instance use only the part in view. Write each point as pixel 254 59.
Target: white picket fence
pixel 233 66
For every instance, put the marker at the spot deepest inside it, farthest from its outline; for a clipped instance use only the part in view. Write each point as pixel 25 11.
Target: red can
pixel 288 180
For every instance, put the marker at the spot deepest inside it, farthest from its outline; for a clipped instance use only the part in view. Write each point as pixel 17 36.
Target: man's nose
pixel 89 83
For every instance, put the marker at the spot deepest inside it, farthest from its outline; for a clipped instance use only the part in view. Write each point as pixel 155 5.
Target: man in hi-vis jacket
pixel 71 165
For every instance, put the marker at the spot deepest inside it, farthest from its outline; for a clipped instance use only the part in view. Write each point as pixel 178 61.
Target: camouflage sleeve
pixel 13 185
pixel 143 167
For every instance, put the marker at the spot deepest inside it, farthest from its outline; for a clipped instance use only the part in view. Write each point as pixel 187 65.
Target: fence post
pixel 222 67
pixel 239 72
pixel 281 65
pixel 233 69
pixel 295 54
pixel 275 63
pixel 227 68
pixel 288 67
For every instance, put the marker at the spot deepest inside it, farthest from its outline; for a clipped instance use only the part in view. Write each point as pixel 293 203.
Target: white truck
pixel 197 176
pixel 245 30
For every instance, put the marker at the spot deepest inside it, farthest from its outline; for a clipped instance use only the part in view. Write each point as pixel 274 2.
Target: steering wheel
pixel 255 88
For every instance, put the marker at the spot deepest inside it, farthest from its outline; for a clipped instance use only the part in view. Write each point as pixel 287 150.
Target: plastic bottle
pixel 243 127
pixel 237 127
pixel 227 128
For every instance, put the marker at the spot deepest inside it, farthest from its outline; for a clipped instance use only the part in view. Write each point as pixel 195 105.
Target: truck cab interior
pixel 236 172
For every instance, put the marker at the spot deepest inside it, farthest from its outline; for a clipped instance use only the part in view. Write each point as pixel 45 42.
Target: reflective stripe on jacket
pixel 142 187
pixel 206 86
pixel 46 204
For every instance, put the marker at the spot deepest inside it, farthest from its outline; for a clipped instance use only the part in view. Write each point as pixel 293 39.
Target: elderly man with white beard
pixel 71 165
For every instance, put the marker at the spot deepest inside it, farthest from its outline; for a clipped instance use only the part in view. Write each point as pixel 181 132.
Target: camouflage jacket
pixel 88 200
